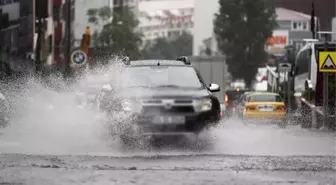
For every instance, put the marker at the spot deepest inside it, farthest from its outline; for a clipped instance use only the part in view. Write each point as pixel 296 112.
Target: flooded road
pixel 231 138
pixel 51 140
pixel 239 154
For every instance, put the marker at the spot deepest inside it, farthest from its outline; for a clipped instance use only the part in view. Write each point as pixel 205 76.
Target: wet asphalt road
pixel 232 154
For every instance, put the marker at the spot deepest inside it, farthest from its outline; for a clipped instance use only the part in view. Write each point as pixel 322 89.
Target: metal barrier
pixel 308 117
pixel 312 116
pixel 272 77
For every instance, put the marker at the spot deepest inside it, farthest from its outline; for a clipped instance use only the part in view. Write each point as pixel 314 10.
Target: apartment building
pixel 165 18
pixel 293 27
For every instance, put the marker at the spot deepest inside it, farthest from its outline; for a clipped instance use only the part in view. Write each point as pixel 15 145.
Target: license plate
pixel 266 108
pixel 169 120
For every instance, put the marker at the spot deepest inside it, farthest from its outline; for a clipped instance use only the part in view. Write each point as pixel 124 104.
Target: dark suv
pixel 162 97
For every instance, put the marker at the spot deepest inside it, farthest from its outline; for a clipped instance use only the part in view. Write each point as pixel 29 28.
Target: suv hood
pixel 140 93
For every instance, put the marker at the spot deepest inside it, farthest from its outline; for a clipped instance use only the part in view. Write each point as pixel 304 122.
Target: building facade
pixel 164 18
pixel 292 28
pixel 324 9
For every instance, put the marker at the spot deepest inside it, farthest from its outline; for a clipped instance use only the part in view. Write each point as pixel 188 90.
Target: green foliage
pixel 118 34
pixel 169 49
pixel 242 28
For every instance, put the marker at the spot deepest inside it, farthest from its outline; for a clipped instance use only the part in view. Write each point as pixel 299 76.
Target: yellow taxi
pixel 264 106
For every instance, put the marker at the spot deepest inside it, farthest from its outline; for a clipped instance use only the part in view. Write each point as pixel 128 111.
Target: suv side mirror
pixel 214 87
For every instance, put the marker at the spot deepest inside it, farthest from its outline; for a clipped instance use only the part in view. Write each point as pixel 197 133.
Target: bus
pixel 305 69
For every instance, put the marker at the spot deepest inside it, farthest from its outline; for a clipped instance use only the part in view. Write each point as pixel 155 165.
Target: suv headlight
pixel 131 106
pixel 203 105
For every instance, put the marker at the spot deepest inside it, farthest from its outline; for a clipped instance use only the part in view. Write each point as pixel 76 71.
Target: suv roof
pixel 156 63
pixel 181 61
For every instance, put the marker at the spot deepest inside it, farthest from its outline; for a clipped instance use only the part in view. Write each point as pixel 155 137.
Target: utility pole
pixel 325 90
pixel 326 110
pixel 67 65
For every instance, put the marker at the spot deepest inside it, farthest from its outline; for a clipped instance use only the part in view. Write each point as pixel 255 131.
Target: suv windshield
pixel 265 98
pixel 162 76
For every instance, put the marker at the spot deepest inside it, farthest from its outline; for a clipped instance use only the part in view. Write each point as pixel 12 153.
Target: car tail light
pixel 250 108
pixel 281 108
pixel 226 98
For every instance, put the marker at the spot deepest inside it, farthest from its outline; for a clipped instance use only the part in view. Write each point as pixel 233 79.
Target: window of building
pixel 305 26
pixel 294 25
pixel 299 25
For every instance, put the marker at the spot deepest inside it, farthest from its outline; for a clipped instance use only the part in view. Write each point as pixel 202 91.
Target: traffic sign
pixel 285 67
pixel 78 58
pixel 327 61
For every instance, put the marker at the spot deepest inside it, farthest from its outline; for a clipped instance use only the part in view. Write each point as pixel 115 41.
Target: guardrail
pixel 272 77
pixel 311 116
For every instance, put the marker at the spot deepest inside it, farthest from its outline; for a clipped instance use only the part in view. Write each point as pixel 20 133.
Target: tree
pixel 163 48
pixel 118 34
pixel 242 28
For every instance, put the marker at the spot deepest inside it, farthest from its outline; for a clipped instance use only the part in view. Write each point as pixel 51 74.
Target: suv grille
pixel 154 110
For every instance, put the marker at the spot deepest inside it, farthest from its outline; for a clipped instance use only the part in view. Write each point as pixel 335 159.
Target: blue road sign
pixel 78 57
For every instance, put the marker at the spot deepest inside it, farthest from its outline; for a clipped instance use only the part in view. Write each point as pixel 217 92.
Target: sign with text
pixel 278 41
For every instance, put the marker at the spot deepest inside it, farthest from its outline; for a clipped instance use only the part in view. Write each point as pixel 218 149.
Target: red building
pixel 60 22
